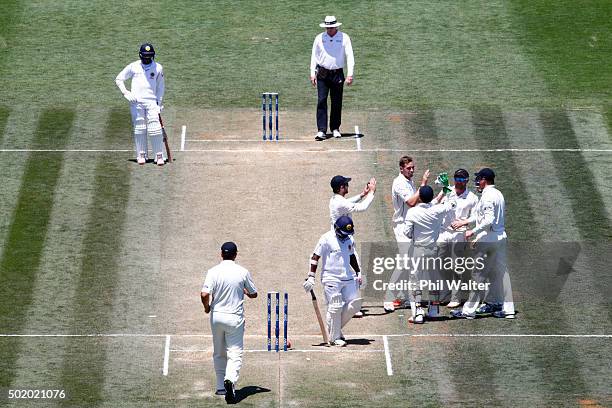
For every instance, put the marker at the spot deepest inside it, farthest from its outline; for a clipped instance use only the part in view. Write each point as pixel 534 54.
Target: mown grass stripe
pixel 490 131
pixel 573 171
pixel 25 240
pixel 82 371
pixel 608 114
pixel 4 114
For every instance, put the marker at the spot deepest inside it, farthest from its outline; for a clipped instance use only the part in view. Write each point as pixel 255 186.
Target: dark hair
pixel 426 194
pixel 404 160
pixel 463 173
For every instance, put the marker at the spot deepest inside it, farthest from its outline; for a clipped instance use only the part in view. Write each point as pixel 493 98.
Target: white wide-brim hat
pixel 330 22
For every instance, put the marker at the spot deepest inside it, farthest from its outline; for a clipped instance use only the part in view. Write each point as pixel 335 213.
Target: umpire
pixel 226 284
pixel 331 50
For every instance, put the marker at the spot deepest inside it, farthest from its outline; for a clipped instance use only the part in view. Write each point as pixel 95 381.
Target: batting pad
pixel 157 140
pixel 140 140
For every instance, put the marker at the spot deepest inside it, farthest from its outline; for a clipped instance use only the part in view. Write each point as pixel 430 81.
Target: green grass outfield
pixel 101 260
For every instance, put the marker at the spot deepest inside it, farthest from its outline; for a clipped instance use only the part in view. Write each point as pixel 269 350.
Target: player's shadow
pixel 367 312
pixel 344 135
pixel 359 342
pixel 245 392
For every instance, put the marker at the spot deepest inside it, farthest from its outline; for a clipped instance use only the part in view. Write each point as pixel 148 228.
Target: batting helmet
pixel 344 227
pixel 146 53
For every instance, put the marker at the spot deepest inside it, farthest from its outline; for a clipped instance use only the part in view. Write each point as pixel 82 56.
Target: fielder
pixel 227 283
pixel 339 205
pixel 451 241
pixel 422 227
pixel 336 251
pixel 490 240
pixel 145 97
pixel 404 196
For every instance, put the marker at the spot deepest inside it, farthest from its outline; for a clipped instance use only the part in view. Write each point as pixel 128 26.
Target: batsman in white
pixel 339 205
pixel 336 250
pixel 145 97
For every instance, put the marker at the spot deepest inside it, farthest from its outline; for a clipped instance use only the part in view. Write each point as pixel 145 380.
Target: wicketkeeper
pixel 145 97
pixel 336 251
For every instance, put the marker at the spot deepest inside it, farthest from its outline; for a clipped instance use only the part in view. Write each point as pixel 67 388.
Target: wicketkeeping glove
pixel 442 180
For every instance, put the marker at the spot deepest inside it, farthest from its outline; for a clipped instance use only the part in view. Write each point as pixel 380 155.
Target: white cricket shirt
pixel 335 257
pixel 332 53
pixel 147 81
pixel 226 283
pixel 401 190
pixel 489 213
pixel 464 204
pixel 339 206
pixel 423 222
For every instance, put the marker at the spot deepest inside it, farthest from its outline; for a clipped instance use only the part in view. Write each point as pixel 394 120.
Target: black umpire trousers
pixel 329 82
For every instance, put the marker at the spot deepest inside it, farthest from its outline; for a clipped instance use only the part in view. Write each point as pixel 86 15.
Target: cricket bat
pixel 165 140
pixel 315 304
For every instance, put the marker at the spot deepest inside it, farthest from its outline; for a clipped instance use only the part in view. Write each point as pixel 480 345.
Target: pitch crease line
pixel 373 150
pixel 388 356
pixel 381 150
pixel 321 350
pixel 166 356
pixel 315 335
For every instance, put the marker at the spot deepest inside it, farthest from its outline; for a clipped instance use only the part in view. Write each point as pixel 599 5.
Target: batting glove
pixel 130 97
pixel 309 284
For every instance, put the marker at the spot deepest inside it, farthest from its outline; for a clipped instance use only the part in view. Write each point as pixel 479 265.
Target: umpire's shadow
pixel 245 392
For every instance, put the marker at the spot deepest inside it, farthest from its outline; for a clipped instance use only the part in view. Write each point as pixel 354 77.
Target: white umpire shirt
pixel 335 257
pixel 332 53
pixel 489 215
pixel 464 204
pixel 148 83
pixel 226 283
pixel 339 206
pixel 424 220
pixel 401 190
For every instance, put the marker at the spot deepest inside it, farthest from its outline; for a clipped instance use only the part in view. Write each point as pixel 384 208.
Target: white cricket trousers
pixel 404 246
pixel 339 295
pixel 228 342
pixel 495 271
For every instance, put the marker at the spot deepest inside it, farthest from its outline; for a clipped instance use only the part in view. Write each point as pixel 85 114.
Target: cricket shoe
pixel 336 133
pixel 141 159
pixel 338 343
pixel 503 315
pixel 388 307
pixel 159 159
pixel 433 311
pixel 453 304
pixel 419 318
pixel 320 136
pixel 458 314
pixel 230 392
pixel 220 392
pixel 358 314
pixel 488 308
